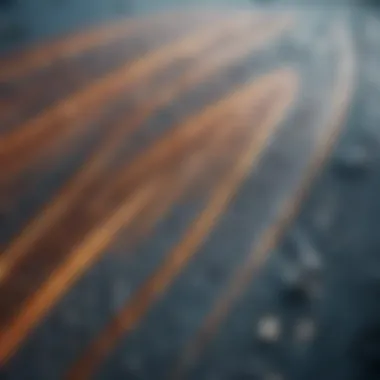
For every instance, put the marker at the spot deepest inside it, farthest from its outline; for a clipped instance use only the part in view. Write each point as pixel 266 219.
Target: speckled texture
pixel 340 219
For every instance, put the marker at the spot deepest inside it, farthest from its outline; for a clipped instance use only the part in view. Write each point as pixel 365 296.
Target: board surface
pixel 148 172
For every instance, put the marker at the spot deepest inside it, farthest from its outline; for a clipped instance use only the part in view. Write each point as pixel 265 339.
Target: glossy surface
pixel 147 170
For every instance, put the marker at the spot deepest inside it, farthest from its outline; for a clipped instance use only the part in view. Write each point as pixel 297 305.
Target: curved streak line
pixel 211 62
pixel 90 98
pixel 13 254
pixel 79 259
pixel 41 56
pixel 242 276
pixel 186 248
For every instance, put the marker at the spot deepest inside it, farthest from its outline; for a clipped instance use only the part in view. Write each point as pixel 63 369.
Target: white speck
pixel 269 328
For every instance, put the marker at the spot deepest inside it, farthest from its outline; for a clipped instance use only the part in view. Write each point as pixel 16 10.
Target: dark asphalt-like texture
pixel 346 309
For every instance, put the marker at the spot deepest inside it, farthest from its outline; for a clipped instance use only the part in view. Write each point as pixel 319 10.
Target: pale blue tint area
pixel 25 21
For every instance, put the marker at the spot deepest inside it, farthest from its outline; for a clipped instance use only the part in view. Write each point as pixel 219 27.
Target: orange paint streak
pixel 13 254
pixel 343 92
pixel 172 184
pixel 87 102
pixel 194 128
pixel 234 48
pixel 78 260
pixel 40 57
pixel 194 237
pixel 40 303
pixel 185 178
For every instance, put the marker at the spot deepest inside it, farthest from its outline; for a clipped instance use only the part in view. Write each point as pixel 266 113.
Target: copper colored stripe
pixel 193 128
pixel 243 275
pixel 173 183
pixel 39 57
pixel 93 96
pixel 185 178
pixel 20 247
pixel 213 59
pixel 78 260
pixel 43 56
pixel 194 237
pixel 146 29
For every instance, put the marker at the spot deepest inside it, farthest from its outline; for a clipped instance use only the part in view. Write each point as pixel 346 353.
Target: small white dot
pixel 269 328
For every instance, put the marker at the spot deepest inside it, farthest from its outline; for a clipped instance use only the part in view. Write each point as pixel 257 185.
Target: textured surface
pixel 147 171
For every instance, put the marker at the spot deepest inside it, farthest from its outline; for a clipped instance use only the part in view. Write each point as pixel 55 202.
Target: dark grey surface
pixel 341 220
pixel 345 197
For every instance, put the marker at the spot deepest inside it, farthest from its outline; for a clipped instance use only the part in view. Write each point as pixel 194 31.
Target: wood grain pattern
pixel 150 155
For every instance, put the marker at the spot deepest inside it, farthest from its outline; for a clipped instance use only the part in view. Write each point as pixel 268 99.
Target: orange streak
pixel 243 275
pixel 19 248
pixel 181 179
pixel 194 127
pixel 213 60
pixel 183 252
pixel 44 56
pixel 173 182
pixel 91 98
pixel 78 43
pixel 80 258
